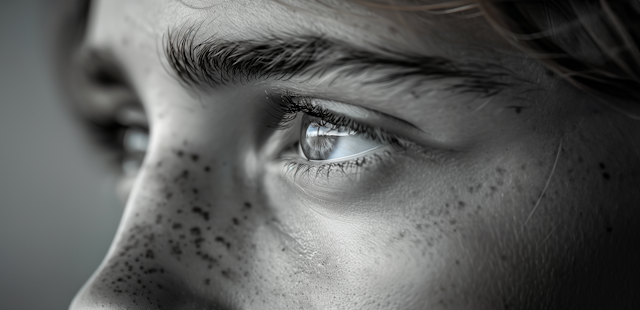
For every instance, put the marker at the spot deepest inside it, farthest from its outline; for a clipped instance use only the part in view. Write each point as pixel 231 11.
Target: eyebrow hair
pixel 216 62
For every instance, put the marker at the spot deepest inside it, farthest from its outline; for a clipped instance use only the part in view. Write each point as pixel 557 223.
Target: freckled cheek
pixel 189 216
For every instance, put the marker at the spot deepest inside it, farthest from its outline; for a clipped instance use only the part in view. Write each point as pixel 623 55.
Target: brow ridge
pixel 215 62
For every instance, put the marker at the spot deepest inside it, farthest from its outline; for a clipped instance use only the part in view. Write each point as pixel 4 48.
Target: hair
pixel 592 44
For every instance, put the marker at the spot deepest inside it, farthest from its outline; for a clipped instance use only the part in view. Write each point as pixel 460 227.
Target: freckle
pixel 195 231
pixel 207 281
pixel 195 191
pixel 235 221
pixel 247 205
pixel 177 226
pixel 602 166
pixel 606 176
pixel 225 273
pixel 207 169
pixel 168 195
pixel 609 229
pixel 221 240
pixel 179 211
pixel 461 204
pixel 180 153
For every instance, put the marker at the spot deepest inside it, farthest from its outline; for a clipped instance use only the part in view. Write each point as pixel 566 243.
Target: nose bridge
pixel 183 223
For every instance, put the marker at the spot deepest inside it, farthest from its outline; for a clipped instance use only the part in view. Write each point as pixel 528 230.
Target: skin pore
pixel 520 200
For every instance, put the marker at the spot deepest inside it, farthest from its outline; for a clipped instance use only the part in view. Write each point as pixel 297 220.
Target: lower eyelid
pixel 296 167
pixel 351 157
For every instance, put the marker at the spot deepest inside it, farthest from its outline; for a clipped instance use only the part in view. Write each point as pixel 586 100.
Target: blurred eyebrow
pixel 215 62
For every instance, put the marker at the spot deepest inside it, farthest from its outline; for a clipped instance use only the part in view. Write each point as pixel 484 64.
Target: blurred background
pixel 58 211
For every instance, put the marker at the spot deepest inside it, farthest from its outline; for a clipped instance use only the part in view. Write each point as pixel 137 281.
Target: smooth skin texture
pixel 497 208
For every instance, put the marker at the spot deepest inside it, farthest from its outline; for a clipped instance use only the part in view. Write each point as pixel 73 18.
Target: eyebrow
pixel 215 62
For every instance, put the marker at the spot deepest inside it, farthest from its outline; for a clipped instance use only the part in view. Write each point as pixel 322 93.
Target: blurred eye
pixel 134 146
pixel 123 136
pixel 323 141
pixel 133 139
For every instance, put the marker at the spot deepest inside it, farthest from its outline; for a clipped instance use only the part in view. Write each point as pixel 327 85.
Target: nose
pixel 183 239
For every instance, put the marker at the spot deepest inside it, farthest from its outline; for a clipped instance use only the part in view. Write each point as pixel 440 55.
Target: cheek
pixel 520 229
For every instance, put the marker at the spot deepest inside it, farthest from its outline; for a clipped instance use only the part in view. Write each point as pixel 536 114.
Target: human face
pixel 428 193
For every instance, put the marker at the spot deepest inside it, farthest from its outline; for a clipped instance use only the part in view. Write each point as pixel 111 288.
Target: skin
pixel 531 208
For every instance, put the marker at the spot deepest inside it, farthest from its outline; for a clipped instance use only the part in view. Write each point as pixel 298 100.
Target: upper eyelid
pixel 343 109
pixel 381 121
pixel 289 105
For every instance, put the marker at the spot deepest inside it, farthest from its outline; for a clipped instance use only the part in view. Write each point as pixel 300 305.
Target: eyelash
pixel 288 106
pixel 285 109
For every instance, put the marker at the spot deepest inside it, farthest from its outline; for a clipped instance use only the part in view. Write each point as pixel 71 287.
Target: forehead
pixel 408 32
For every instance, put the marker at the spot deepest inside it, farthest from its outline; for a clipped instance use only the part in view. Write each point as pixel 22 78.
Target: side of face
pixel 523 201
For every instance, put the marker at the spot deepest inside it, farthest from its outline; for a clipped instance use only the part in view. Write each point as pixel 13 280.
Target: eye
pixel 135 141
pixel 123 136
pixel 323 141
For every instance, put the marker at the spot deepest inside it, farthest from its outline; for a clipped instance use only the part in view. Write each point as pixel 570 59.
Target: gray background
pixel 58 213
